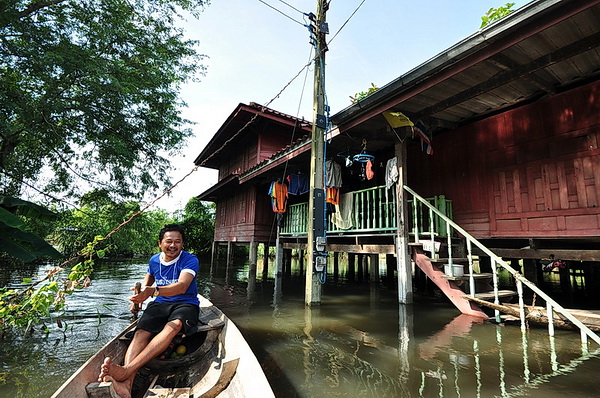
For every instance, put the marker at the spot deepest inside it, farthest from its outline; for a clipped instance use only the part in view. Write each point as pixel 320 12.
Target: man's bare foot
pixel 104 369
pixel 109 368
pixel 122 388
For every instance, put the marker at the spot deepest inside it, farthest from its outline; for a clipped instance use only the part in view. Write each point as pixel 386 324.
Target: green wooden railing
pixel 371 210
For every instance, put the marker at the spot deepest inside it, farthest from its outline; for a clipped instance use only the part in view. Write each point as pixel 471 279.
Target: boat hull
pixel 221 362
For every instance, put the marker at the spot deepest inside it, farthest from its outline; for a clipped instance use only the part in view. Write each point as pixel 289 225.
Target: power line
pixel 350 17
pixel 292 7
pixel 281 12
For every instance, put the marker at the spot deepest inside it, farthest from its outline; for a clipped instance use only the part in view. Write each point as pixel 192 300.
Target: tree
pixel 199 225
pixel 98 214
pixel 494 14
pixel 89 93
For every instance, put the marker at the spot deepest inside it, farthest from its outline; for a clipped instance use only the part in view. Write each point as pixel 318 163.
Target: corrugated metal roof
pixel 241 121
pixel 543 48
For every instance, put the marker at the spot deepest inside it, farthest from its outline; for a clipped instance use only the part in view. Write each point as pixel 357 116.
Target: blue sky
pixel 253 51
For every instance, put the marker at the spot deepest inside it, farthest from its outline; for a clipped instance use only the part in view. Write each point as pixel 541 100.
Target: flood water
pixel 358 343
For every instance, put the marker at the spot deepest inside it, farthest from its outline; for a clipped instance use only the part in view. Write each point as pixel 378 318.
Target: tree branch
pixel 37 6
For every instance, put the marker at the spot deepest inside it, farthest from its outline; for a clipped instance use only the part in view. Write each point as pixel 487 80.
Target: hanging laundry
pixel 330 208
pixel 369 172
pixel 279 195
pixel 391 172
pixel 334 174
pixel 343 217
pixel 333 196
pixel 298 183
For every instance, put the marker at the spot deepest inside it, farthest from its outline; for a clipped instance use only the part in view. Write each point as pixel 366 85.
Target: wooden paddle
pixel 135 307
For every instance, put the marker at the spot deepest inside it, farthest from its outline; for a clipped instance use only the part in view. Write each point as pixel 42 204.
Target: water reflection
pixel 358 343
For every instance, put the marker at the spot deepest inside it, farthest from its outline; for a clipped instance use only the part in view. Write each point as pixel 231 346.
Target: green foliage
pixel 98 216
pixel 100 227
pixel 89 93
pixel 361 95
pixel 494 14
pixel 16 237
pixel 26 307
pixel 199 225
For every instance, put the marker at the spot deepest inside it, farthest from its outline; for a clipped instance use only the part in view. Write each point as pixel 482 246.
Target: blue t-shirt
pixel 168 274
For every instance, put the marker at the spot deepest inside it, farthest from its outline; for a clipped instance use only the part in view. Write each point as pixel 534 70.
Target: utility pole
pixel 316 243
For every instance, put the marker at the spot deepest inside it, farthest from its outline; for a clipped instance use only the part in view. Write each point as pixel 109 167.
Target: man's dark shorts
pixel 156 316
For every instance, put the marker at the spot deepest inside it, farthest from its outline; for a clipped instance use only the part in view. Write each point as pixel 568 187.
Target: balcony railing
pixel 368 210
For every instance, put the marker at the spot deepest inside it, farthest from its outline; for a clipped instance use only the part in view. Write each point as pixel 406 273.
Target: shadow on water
pixel 358 343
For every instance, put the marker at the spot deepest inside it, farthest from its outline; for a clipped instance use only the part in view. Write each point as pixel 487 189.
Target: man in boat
pixel 174 309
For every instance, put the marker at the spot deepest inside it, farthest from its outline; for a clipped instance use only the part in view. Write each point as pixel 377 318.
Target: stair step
pixel 455 260
pixel 466 277
pixel 488 296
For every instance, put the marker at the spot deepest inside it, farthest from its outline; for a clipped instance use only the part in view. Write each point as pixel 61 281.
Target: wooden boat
pixel 218 362
pixel 537 315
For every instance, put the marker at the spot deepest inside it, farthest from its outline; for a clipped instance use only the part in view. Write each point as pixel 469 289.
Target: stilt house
pixel 500 134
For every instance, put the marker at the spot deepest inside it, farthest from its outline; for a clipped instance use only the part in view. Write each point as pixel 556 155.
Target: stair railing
pixel 520 279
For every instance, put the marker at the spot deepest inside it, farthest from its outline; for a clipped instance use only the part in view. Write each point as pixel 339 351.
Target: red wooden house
pixel 249 137
pixel 514 112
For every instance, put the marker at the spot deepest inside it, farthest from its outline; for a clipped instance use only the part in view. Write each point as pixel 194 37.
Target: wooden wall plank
pixel 596 166
pixel 562 185
pixel 580 183
pixel 517 191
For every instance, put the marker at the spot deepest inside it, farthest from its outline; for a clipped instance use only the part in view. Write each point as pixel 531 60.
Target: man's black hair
pixel 171 228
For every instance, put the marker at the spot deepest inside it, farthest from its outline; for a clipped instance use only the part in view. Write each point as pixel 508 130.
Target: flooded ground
pixel 358 343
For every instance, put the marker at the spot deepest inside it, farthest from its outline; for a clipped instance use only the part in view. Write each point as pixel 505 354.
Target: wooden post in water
pixel 287 259
pixel 278 256
pixel 265 261
pixel 390 262
pixel 253 255
pixel 229 253
pixel 359 267
pixel 301 261
pixel 336 265
pixel 351 266
pixel 214 254
pixel 405 289
pixel 252 259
